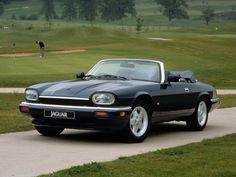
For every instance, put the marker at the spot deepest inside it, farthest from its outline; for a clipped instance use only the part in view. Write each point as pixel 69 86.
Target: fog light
pixel 102 114
pixel 24 109
pixel 122 114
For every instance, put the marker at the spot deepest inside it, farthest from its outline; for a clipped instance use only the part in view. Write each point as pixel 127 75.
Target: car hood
pixel 86 88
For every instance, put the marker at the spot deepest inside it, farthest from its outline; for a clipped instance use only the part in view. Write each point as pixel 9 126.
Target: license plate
pixel 59 114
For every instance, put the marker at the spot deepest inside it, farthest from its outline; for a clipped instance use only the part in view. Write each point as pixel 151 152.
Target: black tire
pixel 198 121
pixel 49 131
pixel 139 106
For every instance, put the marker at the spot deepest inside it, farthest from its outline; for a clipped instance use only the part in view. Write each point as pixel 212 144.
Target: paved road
pixel 12 90
pixel 226 92
pixel 22 90
pixel 29 154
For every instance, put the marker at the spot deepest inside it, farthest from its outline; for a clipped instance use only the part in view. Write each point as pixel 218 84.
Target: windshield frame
pixel 161 68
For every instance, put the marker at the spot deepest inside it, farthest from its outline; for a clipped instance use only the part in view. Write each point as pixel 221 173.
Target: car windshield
pixel 126 69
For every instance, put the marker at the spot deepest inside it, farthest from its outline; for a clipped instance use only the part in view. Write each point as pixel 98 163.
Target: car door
pixel 173 101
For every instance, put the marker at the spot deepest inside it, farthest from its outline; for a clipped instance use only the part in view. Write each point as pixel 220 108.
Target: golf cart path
pixel 22 90
pixel 29 154
pixel 12 55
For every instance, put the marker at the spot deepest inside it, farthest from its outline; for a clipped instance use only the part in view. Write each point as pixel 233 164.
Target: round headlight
pixel 103 99
pixel 31 95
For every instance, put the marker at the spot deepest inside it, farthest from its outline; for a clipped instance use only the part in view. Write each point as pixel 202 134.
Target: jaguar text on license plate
pixel 59 114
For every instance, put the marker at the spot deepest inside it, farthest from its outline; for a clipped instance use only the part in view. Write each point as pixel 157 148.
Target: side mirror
pixel 165 85
pixel 80 75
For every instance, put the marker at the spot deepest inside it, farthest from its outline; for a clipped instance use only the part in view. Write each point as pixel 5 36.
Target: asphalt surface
pixel 22 90
pixel 29 154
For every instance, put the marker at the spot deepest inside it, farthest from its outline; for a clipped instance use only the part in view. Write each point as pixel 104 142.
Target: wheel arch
pixel 207 97
pixel 144 96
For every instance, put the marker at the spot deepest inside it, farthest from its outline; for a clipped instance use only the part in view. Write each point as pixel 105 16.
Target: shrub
pixel 32 17
pixel 23 17
pixel 13 17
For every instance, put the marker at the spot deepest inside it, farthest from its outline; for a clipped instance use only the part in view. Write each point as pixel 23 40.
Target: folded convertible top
pixel 188 75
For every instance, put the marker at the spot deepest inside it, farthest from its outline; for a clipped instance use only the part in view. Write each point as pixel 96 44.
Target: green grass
pixel 227 101
pixel 209 53
pixel 211 158
pixel 11 120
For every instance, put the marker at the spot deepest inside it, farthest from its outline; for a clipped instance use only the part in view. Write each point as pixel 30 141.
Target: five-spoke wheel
pixel 199 118
pixel 139 122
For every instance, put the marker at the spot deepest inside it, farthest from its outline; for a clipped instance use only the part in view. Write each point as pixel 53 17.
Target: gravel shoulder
pixel 28 154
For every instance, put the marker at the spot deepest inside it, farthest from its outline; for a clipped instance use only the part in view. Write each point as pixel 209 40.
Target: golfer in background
pixel 41 48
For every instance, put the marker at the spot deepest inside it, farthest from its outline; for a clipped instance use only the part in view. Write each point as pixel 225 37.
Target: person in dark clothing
pixel 41 48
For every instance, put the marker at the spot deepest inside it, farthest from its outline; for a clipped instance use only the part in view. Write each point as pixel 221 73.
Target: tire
pixel 49 131
pixel 198 121
pixel 139 123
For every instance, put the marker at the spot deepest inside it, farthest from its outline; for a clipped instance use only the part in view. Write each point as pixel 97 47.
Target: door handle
pixel 186 89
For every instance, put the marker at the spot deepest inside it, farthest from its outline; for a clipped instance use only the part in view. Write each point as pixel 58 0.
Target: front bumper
pixel 215 103
pixel 85 116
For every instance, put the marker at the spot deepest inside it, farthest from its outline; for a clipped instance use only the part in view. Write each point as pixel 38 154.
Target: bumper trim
pixel 66 98
pixel 215 100
pixel 89 108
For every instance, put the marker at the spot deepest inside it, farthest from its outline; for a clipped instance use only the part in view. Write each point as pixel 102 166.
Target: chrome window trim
pixel 162 72
pixel 65 98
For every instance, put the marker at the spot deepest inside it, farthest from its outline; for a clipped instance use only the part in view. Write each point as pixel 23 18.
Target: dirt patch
pixel 68 51
pixel 12 55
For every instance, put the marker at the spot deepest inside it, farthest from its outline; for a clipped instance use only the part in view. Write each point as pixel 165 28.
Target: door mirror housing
pixel 165 85
pixel 80 75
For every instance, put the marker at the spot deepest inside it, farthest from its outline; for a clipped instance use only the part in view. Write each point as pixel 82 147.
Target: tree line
pixel 89 10
pixel 111 10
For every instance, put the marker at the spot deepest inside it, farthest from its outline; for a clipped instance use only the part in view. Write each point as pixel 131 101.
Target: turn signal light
pixel 25 109
pixel 122 114
pixel 102 114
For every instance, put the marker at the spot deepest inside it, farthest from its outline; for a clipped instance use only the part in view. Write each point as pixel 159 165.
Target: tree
pixel 116 9
pixel 233 8
pixel 1 8
pixel 88 9
pixel 48 9
pixel 208 15
pixel 174 9
pixel 5 1
pixel 139 24
pixel 69 10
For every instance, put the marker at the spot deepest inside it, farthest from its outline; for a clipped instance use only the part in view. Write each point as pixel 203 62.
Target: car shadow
pixel 167 128
pixel 114 137
pixel 90 137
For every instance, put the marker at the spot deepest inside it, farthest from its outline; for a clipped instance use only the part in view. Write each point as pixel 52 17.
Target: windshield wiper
pixel 112 76
pixel 90 76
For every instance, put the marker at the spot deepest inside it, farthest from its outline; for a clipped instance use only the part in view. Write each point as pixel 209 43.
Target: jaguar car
pixel 120 95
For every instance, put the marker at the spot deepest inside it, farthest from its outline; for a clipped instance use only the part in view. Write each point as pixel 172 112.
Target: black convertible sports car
pixel 124 95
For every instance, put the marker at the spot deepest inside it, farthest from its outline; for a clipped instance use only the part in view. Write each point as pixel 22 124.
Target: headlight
pixel 31 95
pixel 103 99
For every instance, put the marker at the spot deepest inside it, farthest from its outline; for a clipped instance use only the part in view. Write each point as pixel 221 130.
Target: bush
pixel 227 15
pixel 32 17
pixel 13 17
pixel 22 17
pixel 29 28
